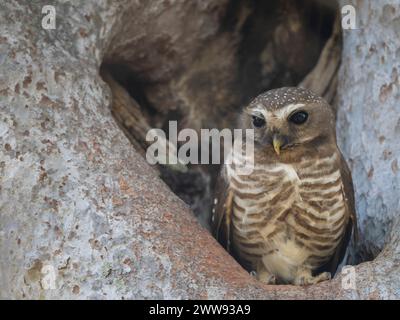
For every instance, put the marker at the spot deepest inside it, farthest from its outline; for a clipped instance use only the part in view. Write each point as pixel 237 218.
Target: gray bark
pixel 369 121
pixel 76 196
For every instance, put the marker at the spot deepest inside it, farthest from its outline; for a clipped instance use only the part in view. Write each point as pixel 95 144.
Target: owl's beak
pixel 277 142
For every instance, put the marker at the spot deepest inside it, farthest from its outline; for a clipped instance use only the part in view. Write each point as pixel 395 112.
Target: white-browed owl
pixel 294 214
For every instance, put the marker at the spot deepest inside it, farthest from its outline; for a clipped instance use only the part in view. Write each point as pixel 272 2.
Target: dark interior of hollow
pixel 280 43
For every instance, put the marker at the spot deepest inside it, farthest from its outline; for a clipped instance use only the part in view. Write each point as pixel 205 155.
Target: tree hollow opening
pixel 202 81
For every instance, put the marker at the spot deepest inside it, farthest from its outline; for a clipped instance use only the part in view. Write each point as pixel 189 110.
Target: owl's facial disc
pixel 289 126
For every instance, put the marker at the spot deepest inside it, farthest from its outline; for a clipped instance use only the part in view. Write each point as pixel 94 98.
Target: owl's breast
pixel 295 210
pixel 261 201
pixel 319 216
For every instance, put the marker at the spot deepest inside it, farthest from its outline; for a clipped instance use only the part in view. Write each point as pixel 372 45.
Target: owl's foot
pixel 267 278
pixel 264 276
pixel 305 278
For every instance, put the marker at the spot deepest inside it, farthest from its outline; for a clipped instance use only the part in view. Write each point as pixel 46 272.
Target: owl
pixel 290 220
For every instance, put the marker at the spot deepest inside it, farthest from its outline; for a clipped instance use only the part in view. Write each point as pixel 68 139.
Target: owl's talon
pixel 324 276
pixel 305 278
pixel 265 277
pixel 253 274
pixel 268 279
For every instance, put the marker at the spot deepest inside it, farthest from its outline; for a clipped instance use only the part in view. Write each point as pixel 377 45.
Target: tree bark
pixel 77 202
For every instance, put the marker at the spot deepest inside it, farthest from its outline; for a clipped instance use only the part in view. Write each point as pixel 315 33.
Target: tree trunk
pixel 82 215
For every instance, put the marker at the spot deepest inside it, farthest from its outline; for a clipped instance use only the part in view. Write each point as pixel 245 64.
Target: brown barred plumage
pixel 295 211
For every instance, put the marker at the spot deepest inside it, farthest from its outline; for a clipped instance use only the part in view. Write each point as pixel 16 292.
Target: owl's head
pixel 287 118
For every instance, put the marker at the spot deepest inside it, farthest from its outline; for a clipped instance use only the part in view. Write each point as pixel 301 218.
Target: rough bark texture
pixel 369 121
pixel 75 195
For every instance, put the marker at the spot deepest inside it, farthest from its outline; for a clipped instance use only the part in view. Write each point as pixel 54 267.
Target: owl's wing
pixel 351 228
pixel 222 211
pixel 348 192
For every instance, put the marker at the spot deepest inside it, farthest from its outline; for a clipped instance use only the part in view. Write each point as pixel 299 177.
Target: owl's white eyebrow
pixel 288 109
pixel 259 110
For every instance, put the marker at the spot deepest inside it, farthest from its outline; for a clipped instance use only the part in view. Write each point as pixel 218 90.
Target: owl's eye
pixel 258 121
pixel 299 117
